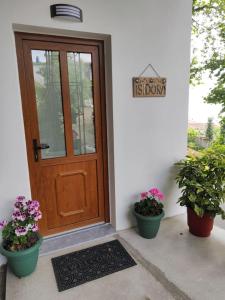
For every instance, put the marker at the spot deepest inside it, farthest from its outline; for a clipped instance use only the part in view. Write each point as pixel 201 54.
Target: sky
pixel 199 111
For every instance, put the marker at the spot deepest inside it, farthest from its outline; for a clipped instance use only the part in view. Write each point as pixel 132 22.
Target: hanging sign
pixel 149 87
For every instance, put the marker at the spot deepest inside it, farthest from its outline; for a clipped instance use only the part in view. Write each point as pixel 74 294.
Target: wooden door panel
pixel 74 190
pixel 71 186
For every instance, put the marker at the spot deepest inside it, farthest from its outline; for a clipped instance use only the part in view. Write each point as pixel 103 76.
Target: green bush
pixel 202 181
pixel 193 134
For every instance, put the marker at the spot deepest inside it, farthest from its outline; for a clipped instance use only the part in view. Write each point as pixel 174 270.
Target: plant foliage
pixel 202 181
pixel 209 129
pixel 222 131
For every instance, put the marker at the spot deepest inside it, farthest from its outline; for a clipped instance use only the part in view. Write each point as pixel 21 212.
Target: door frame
pixel 19 38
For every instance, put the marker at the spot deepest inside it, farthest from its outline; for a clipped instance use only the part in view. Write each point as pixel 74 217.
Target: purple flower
pixel 23 217
pixel 37 215
pixel 21 231
pixel 31 210
pixel 28 202
pixel 18 205
pixel 35 204
pixel 20 198
pixel 21 202
pixel 18 216
pixel 34 227
pixel 3 224
pixel 30 207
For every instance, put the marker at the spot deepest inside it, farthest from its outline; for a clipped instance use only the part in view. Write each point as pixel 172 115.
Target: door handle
pixel 37 147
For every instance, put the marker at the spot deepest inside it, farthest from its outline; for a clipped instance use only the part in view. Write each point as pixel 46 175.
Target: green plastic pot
pixel 22 263
pixel 148 226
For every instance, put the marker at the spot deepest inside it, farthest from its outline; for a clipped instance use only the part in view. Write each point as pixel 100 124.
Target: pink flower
pixel 144 195
pixel 156 193
pixel 160 196
pixel 3 224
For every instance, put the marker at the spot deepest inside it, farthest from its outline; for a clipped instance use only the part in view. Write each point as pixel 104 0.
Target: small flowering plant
pixel 150 203
pixel 22 231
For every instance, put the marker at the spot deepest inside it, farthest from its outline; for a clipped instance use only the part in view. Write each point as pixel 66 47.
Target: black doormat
pixel 89 264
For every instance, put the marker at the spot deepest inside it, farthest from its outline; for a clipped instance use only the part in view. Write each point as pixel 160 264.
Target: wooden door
pixel 62 89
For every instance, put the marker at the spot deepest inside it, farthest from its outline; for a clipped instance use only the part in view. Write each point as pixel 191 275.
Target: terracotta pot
pixel 199 226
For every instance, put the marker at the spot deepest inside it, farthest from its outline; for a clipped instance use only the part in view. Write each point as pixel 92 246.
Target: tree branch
pixel 200 8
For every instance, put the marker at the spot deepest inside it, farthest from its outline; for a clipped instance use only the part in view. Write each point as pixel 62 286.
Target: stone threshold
pixel 69 239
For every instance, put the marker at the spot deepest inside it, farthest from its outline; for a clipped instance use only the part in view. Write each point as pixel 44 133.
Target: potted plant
pixel 149 212
pixel 20 238
pixel 202 180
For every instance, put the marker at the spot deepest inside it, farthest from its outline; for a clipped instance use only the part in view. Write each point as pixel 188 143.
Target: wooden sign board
pixel 149 87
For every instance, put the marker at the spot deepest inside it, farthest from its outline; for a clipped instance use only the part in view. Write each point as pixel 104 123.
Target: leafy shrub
pixel 202 180
pixel 193 134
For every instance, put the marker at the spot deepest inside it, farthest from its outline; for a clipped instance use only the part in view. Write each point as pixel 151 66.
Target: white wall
pixel 149 134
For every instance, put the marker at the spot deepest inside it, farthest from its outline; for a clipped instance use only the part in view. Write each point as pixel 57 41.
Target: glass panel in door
pixel 82 106
pixel 47 83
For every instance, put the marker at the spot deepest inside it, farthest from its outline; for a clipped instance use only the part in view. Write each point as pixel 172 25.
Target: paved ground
pixel 195 265
pixel 174 265
pixel 135 283
pixel 2 282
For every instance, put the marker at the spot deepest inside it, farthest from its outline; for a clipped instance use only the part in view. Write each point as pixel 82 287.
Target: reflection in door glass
pixel 81 97
pixel 49 102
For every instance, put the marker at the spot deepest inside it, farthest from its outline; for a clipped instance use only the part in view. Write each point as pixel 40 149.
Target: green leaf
pixel 198 210
pixel 192 197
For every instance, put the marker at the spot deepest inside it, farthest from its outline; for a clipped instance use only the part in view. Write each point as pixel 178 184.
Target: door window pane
pixel 81 97
pixel 49 102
